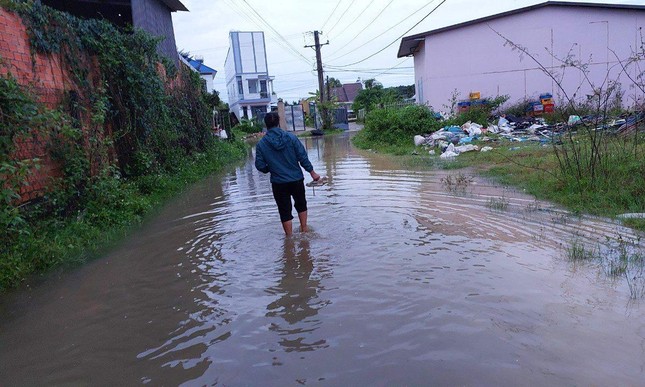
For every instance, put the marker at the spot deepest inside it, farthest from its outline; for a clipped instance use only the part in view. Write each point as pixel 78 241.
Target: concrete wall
pixel 155 17
pixel 475 58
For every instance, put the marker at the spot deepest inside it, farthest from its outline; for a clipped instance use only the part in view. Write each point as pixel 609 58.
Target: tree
pixel 374 95
pixel 372 83
pixel 333 82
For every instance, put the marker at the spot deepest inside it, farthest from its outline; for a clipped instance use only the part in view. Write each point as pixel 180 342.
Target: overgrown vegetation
pixel 249 126
pixel 129 136
pixel 619 257
pixel 457 184
pixel 374 95
pixel 588 167
pixel 392 130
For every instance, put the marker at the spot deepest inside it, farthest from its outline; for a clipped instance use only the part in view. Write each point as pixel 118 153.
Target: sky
pixel 363 35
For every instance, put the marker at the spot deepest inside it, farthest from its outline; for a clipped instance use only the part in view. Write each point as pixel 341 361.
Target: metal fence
pixel 397 105
pixel 341 120
pixel 295 117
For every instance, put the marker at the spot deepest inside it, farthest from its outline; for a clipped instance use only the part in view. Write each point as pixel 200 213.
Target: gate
pixel 339 115
pixel 341 121
pixel 295 117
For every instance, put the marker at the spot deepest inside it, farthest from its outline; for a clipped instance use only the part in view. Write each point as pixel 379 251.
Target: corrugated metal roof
pixel 410 43
pixel 346 93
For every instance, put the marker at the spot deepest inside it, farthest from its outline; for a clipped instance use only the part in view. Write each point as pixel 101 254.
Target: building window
pixel 263 89
pixel 240 86
pixel 253 86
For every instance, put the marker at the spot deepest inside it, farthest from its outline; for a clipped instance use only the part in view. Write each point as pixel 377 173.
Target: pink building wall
pixel 475 58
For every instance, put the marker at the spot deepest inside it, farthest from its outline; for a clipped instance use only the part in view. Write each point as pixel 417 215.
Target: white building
pixel 249 86
pixel 207 74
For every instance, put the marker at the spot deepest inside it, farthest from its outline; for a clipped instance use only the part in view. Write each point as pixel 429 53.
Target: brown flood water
pixel 400 282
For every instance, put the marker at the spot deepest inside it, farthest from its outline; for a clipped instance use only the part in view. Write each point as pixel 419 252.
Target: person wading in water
pixel 282 154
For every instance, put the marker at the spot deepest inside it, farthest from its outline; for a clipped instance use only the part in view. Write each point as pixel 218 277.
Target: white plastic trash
pixel 449 153
pixel 466 148
pixel 419 140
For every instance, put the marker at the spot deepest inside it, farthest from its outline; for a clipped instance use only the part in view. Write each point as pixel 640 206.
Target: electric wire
pixel 341 17
pixel 366 27
pixel 330 15
pixel 281 42
pixel 384 32
pixel 395 40
pixel 352 23
pixel 277 33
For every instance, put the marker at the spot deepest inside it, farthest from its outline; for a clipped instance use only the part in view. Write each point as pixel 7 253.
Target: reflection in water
pixel 297 303
pixel 399 283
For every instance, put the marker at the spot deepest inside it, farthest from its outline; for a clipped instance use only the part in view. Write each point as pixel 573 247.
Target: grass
pixel 457 184
pixel 619 257
pixel 498 204
pixel 535 169
pixel 117 206
pixel 577 251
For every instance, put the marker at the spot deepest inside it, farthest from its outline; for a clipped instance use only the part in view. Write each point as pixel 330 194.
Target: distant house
pixel 206 73
pixel 473 57
pixel 153 16
pixel 346 94
pixel 249 86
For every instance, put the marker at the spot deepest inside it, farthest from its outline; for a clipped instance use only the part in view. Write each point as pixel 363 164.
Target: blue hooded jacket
pixel 282 154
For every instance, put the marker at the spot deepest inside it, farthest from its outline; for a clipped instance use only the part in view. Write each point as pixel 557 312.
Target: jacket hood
pixel 277 138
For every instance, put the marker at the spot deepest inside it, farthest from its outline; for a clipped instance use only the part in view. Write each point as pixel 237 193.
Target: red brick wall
pixel 45 78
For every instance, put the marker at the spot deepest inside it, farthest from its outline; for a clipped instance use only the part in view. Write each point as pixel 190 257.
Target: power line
pixel 341 17
pixel 277 33
pixel 366 27
pixel 260 22
pixel 351 23
pixel 384 32
pixel 329 17
pixel 396 66
pixel 397 39
pixel 241 45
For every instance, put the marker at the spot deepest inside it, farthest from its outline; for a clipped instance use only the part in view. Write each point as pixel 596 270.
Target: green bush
pixel 399 125
pixel 248 126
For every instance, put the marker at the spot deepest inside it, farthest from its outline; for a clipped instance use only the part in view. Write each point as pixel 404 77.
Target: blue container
pixel 479 102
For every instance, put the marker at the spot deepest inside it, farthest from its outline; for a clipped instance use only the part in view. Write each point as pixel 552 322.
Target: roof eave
pixel 410 51
pixel 175 5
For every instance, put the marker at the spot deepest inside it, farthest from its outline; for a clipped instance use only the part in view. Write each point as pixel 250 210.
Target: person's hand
pixel 314 175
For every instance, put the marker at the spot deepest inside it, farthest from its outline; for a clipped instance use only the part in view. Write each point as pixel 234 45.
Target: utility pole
pixel 319 66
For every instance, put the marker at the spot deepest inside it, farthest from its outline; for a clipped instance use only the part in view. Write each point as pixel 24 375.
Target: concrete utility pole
pixel 319 67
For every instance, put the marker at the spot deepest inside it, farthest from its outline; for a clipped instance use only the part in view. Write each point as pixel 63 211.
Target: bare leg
pixel 287 227
pixel 302 216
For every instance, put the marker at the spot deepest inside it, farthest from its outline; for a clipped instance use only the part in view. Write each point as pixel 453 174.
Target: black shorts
pixel 282 194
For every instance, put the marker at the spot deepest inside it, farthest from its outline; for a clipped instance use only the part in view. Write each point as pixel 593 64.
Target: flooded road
pixel 403 280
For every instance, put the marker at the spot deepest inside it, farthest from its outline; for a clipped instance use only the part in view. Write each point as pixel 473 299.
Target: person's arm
pixel 303 159
pixel 260 164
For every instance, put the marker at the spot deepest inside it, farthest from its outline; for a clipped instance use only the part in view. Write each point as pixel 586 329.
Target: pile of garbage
pixel 453 140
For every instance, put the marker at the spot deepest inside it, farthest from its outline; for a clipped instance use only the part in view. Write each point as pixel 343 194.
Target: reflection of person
pixel 282 154
pixel 297 301
pixel 297 288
